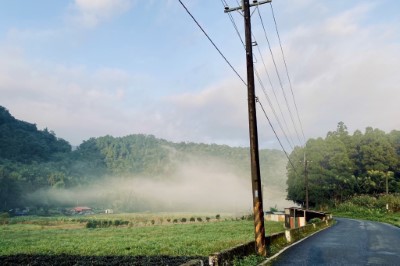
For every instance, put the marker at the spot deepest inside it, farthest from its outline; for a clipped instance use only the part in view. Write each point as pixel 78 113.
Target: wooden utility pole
pixel 387 184
pixel 254 154
pixel 306 179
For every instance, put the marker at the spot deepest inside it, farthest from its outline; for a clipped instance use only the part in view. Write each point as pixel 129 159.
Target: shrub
pixel 183 220
pixel 208 219
pixel 192 219
pixel 250 217
pixel 217 216
pixel 199 219
pixel 392 200
pixel 169 220
pixel 364 201
pixel 314 220
pixel 4 218
pixel 175 221
pixel 91 224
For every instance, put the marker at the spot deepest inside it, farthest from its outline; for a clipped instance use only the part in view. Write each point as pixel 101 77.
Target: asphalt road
pixel 349 242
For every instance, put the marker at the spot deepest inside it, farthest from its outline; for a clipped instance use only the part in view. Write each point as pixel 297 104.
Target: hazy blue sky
pixel 88 68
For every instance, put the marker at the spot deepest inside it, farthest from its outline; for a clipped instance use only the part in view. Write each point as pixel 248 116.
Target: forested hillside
pixel 342 165
pixel 36 160
pixel 22 142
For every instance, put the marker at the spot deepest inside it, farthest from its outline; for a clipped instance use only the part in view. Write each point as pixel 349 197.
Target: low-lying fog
pixel 196 186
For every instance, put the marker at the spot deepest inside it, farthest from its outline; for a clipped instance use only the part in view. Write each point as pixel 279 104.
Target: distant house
pixel 109 211
pixel 82 210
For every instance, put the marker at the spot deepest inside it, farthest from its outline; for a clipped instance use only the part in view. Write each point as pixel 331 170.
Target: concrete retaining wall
pixel 274 242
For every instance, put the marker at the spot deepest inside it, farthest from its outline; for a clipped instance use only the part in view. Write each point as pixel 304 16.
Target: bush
pixel 175 221
pixel 192 219
pixel 4 218
pixel 183 220
pixel 217 216
pixel 208 219
pixel 364 201
pixel 199 219
pixel 248 260
pixel 314 220
pixel 392 199
pixel 91 224
pixel 169 220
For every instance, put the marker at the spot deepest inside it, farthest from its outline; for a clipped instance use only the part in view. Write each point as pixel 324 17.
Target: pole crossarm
pixel 255 3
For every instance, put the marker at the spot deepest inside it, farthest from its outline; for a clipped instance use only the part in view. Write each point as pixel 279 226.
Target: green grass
pixel 252 260
pixel 371 215
pixel 69 236
pixel 371 208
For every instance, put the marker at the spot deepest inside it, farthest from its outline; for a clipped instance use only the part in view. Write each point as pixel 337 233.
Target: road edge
pixel 265 262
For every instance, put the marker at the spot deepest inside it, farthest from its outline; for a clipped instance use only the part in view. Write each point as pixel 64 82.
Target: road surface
pixel 349 242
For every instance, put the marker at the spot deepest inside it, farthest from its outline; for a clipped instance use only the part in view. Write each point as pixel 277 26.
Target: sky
pixel 88 68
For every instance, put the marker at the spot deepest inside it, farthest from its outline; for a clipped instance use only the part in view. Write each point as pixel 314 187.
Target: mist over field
pixel 198 185
pixel 128 174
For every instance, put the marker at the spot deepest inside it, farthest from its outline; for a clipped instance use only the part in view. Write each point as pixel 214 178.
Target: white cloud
pixel 75 102
pixel 216 114
pixel 90 13
pixel 346 71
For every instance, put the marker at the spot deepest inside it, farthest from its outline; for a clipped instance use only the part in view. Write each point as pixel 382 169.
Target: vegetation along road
pixel 349 242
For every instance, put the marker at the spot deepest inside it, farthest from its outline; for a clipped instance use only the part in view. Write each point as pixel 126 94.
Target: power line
pixel 276 135
pixel 279 77
pixel 287 73
pixel 272 107
pixel 291 142
pixel 234 24
pixel 212 42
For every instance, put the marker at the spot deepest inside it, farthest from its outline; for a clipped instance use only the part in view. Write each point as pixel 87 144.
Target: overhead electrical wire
pixel 290 142
pixel 258 76
pixel 224 4
pixel 287 72
pixel 272 108
pixel 212 42
pixel 279 77
pixel 276 135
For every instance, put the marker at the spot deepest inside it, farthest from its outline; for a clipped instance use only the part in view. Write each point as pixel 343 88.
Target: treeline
pixel 32 160
pixel 341 165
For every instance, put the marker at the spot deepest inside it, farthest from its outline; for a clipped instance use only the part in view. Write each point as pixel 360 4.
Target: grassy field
pixel 371 208
pixel 136 234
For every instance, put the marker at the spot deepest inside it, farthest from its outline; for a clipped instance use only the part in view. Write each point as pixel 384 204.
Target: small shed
pixel 109 211
pixel 297 217
pixel 275 216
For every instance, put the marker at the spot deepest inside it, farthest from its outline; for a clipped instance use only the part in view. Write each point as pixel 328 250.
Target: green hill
pixel 23 142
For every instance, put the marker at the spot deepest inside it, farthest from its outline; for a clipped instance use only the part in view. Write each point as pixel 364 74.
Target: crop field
pixel 131 238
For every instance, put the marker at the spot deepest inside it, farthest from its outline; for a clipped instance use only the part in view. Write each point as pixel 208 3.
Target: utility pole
pixel 306 179
pixel 387 184
pixel 259 229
